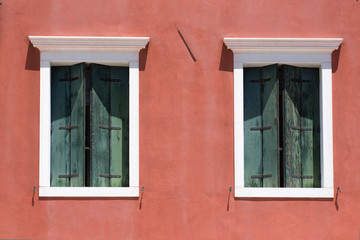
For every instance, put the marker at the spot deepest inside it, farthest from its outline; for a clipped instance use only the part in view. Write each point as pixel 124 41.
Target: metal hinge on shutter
pixel 68 175
pixel 260 128
pixel 109 175
pixel 68 79
pixel 261 176
pixel 111 80
pixel 302 176
pixel 110 127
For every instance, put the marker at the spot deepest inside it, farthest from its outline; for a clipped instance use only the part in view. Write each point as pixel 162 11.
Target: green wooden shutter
pixel 261 135
pixel 67 126
pixel 109 124
pixel 301 132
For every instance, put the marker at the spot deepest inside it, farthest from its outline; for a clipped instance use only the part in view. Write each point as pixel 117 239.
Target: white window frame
pixel 302 52
pixel 113 51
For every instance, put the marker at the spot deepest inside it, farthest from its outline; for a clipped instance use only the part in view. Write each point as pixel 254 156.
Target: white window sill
pixel 89 191
pixel 284 192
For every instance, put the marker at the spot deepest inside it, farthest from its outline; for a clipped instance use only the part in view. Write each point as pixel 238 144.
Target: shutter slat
pixel 109 126
pixel 270 115
pixel 99 116
pixel 119 114
pixel 252 118
pixel 310 117
pixel 301 127
pixel 60 117
pixel 67 121
pixel 291 136
pixel 261 154
pixel 77 119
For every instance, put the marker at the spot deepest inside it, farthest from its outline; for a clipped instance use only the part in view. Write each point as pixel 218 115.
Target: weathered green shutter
pixel 301 130
pixel 67 126
pixel 261 100
pixel 109 124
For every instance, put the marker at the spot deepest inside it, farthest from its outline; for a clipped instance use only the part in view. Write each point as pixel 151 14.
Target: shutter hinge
pixel 301 128
pixel 300 80
pixel 68 175
pixel 260 128
pixel 261 80
pixel 111 80
pixel 302 176
pixel 261 176
pixel 110 127
pixel 68 79
pixel 109 175
pixel 68 127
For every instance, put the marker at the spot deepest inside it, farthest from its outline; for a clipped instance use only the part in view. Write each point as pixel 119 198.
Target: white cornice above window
pixel 74 43
pixel 283 45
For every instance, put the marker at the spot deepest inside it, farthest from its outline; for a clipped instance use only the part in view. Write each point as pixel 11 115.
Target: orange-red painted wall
pixel 186 121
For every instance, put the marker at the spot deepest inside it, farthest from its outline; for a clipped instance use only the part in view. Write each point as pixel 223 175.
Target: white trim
pixel 300 52
pixel 88 192
pixel 70 43
pixel 71 50
pixel 289 45
pixel 134 123
pixel 285 192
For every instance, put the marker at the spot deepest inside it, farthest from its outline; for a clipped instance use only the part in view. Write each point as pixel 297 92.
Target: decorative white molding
pixel 314 52
pixel 285 192
pixel 88 191
pixel 113 51
pixel 289 45
pixel 71 43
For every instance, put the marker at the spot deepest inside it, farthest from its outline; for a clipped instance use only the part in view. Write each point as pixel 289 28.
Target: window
pixel 281 126
pixel 283 117
pixel 89 126
pixel 89 116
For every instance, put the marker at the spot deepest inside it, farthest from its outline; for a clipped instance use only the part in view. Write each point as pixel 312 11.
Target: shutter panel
pixel 119 93
pixel 291 113
pixel 67 126
pixel 310 117
pixel 109 125
pixel 261 154
pixel 270 114
pixel 60 154
pixel 78 119
pixel 252 118
pixel 99 116
pixel 301 127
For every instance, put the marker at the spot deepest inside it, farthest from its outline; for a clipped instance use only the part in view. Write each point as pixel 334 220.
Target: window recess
pixel 281 126
pixel 90 126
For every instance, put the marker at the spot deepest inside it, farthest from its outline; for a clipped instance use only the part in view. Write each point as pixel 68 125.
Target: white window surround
pixel 115 51
pixel 309 52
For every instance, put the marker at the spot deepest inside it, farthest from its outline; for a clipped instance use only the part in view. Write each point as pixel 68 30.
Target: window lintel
pixel 283 45
pixel 75 43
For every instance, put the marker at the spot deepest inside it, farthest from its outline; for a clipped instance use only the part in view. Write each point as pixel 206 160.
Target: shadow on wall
pixel 226 59
pixel 335 59
pixel 32 59
pixel 142 58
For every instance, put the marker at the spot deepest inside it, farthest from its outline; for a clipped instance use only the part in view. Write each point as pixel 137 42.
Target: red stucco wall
pixel 186 121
